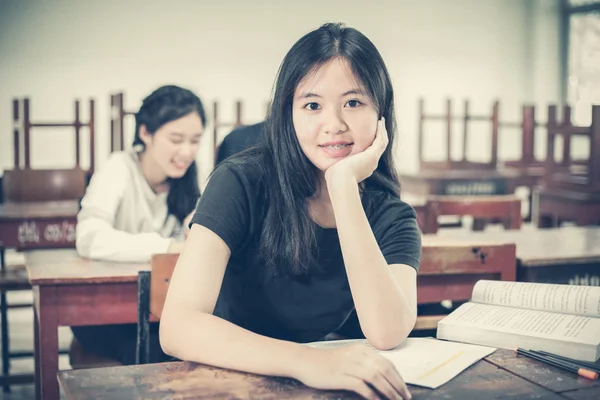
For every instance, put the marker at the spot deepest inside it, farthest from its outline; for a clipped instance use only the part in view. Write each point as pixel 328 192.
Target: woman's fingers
pixel 392 375
pixel 381 374
pixel 358 386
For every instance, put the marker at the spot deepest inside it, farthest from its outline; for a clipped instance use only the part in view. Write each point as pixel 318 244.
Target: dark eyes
pixel 316 106
pixel 312 106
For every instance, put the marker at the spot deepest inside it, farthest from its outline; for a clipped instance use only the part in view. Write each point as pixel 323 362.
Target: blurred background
pixel 515 51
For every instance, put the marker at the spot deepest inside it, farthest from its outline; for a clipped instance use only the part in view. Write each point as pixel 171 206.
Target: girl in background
pixel 136 205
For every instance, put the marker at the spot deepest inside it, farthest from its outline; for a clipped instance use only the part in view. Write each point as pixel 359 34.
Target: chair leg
pixel 5 341
pixel 143 324
pixel 4 330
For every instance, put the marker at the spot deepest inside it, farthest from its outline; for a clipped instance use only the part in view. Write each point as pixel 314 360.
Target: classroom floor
pixel 20 323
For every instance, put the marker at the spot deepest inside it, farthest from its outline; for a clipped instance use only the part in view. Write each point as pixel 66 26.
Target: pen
pixel 588 365
pixel 566 365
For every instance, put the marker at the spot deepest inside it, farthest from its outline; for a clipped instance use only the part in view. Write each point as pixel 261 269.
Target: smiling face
pixel 333 115
pixel 172 149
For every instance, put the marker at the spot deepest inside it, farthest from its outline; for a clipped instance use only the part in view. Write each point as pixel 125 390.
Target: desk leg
pixel 36 353
pixel 46 344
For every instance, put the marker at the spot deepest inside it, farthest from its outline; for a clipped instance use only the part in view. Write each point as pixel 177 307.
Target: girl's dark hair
pixel 288 239
pixel 166 104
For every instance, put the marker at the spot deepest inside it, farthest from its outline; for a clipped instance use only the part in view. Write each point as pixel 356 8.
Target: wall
pixel 55 51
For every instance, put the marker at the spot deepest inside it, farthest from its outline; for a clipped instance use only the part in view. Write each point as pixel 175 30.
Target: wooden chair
pixel 570 189
pixel 466 118
pixel 24 188
pixel 152 292
pixel 449 270
pixel 23 126
pixel 24 184
pixel 527 170
pixel 31 185
pixel 117 121
pixel 506 208
pixel 463 176
pixel 218 124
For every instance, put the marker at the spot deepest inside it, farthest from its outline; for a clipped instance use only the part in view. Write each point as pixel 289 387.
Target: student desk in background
pixel 71 291
pixel 500 375
pixel 38 225
pixel 567 255
pixel 458 182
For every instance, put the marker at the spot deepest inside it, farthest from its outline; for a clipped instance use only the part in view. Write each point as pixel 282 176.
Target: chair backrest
pixel 152 292
pixel 117 118
pixel 218 124
pixel 528 126
pixel 37 185
pixel 504 207
pixel 567 173
pixel 421 211
pixel 448 118
pixel 23 126
pixel 449 271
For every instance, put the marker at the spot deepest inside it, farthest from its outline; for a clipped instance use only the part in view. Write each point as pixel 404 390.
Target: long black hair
pixel 166 104
pixel 288 237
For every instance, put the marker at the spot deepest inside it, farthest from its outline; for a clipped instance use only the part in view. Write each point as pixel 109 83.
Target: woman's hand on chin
pixel 359 167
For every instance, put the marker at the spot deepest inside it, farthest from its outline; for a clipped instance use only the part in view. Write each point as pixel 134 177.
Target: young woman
pixel 137 203
pixel 305 236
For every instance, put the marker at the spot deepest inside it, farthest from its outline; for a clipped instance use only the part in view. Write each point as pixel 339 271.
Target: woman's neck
pixel 156 179
pixel 320 206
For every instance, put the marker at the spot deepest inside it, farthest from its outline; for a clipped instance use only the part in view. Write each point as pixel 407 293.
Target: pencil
pixel 566 365
pixel 589 365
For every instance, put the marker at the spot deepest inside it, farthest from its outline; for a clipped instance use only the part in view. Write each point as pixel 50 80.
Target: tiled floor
pixel 20 323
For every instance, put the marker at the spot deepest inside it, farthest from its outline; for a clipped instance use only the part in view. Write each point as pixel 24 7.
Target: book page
pixel 519 321
pixel 568 299
pixel 425 362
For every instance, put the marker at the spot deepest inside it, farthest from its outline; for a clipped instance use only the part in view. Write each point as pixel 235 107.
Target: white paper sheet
pixel 425 362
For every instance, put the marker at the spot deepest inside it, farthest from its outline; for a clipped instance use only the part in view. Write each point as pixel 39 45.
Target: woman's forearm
pixel 211 340
pixel 385 313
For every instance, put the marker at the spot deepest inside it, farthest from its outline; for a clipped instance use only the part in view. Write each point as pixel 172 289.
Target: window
pixel 583 80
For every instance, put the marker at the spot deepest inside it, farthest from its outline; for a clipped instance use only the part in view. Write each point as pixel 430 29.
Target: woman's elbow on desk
pixel 387 339
pixel 170 329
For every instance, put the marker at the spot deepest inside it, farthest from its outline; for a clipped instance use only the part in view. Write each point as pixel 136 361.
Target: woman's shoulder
pixel 119 162
pixel 249 168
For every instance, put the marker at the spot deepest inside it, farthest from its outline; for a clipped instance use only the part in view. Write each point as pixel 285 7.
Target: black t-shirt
pixel 239 140
pixel 276 305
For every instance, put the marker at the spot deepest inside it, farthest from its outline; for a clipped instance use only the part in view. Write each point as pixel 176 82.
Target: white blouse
pixel 121 217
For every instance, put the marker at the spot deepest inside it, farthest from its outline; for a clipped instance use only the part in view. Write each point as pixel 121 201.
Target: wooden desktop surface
pixel 65 267
pixel 502 375
pixel 541 247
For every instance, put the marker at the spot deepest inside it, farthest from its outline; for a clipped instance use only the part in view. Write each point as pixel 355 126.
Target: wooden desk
pixel 459 182
pixel 38 225
pixel 568 255
pixel 71 291
pixel 501 375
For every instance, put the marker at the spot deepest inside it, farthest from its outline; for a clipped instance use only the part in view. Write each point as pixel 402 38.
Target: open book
pixel 424 362
pixel 560 319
